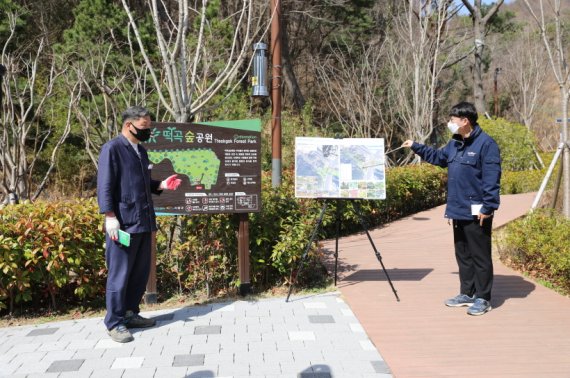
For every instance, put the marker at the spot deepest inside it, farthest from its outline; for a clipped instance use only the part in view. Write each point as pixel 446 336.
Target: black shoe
pixel 133 320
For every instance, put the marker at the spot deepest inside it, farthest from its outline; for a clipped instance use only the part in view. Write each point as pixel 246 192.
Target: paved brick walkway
pixel 361 331
pixel 527 334
pixel 312 336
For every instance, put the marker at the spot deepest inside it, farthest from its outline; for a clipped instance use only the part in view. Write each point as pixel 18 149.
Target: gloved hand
pixel 112 227
pixel 171 183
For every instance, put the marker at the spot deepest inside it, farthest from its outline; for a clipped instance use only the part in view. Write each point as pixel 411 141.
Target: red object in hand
pixel 171 183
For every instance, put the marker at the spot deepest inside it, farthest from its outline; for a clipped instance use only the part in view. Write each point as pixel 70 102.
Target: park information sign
pixel 218 162
pixel 339 168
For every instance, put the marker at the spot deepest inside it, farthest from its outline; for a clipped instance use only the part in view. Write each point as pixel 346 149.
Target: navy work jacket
pixel 473 172
pixel 124 185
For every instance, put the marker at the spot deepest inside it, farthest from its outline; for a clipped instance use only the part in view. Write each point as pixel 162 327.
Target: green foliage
pixel 196 253
pixel 10 7
pixel 55 250
pixel 539 245
pixel 97 23
pixel 515 141
pixel 50 250
pixel 514 182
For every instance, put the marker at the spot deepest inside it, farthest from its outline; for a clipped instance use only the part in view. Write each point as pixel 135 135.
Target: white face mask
pixel 453 127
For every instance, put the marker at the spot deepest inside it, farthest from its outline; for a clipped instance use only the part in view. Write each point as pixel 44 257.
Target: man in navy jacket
pixel 124 194
pixel 473 164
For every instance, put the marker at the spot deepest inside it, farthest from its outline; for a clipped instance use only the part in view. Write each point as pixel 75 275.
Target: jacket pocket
pixel 129 213
pixel 469 161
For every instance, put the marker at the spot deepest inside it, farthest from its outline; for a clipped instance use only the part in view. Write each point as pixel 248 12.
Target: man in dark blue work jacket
pixel 124 188
pixel 473 164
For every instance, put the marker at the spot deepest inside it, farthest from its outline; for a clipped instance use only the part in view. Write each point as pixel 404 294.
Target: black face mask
pixel 142 134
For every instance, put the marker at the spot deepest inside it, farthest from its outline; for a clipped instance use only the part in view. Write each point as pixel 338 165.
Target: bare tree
pixel 352 86
pixel 75 94
pixel 525 69
pixel 106 89
pixel 556 48
pixel 416 61
pixel 21 137
pixel 187 75
pixel 480 22
pixel 525 72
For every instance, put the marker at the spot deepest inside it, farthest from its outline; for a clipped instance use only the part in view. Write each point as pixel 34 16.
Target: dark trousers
pixel 128 270
pixel 473 254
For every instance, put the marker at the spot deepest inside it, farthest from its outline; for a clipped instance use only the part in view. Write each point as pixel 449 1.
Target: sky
pixel 464 11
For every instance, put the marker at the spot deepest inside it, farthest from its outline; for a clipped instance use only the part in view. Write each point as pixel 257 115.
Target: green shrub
pixel 515 141
pixel 522 181
pixel 54 251
pixel 538 244
pixel 50 250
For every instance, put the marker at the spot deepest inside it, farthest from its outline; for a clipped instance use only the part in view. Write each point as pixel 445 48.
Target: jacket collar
pixel 474 134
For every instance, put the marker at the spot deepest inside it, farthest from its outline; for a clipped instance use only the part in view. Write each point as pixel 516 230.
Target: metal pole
pixel 276 93
pixel 547 177
pixel 243 254
pixel 150 296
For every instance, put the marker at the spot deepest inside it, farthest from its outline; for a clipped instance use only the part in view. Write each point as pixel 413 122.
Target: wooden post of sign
pixel 243 254
pixel 150 295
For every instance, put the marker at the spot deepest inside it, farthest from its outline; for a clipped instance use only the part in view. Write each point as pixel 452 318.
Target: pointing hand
pixel 171 183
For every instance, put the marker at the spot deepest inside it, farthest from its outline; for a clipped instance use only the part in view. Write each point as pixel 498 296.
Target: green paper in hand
pixel 124 238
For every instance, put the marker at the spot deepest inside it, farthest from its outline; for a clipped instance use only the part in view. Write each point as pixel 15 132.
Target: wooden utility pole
pixel 276 80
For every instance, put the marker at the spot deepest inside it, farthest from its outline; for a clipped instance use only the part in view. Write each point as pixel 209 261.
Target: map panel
pixel 218 163
pixel 340 168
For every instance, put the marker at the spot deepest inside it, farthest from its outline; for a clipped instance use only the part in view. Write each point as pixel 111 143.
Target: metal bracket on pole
pixel 547 177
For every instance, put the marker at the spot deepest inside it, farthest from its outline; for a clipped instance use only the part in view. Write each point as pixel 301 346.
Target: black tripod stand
pixel 337 226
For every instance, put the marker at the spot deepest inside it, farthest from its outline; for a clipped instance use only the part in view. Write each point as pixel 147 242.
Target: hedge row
pixel 53 252
pixel 538 244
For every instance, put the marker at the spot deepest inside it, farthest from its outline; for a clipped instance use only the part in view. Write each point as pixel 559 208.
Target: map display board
pixel 339 168
pixel 218 163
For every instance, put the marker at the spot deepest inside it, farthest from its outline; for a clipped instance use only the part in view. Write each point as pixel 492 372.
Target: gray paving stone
pixel 42 332
pixel 380 367
pixel 316 319
pixel 65 365
pixel 207 330
pixel 188 360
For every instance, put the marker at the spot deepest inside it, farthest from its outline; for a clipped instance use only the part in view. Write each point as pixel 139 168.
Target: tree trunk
pixel 478 94
pixel 289 74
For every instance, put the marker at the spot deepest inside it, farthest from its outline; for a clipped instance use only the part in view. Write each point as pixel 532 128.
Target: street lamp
pixel 259 77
